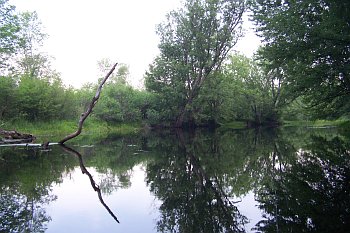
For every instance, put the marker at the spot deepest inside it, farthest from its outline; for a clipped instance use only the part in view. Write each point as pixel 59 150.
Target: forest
pixel 300 72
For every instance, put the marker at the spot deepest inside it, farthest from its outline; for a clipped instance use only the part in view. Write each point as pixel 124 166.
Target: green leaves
pixel 309 40
pixel 194 41
pixel 9 28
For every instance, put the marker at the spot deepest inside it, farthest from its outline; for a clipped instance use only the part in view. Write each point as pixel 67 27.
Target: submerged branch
pixel 92 181
pixel 89 109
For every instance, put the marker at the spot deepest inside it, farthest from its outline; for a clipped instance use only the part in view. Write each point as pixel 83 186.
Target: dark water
pixel 290 180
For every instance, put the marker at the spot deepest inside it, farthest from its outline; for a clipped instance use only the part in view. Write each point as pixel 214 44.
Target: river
pixel 266 180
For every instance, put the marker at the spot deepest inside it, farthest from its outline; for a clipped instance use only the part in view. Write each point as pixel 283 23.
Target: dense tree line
pixel 308 44
pixel 32 90
pixel 300 72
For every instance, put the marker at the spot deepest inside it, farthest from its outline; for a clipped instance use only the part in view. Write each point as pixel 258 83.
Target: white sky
pixel 82 32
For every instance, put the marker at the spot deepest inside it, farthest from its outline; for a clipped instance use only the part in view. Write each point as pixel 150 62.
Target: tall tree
pixel 194 41
pixel 8 96
pixel 309 41
pixel 9 28
pixel 30 60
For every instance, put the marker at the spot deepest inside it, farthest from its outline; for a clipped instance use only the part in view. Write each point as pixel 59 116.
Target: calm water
pixel 290 180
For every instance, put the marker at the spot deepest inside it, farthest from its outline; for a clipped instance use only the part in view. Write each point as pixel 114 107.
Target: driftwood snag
pixel 12 136
pixel 89 109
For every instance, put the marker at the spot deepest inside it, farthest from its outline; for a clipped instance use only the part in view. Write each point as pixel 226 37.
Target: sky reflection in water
pixel 232 181
pixel 78 210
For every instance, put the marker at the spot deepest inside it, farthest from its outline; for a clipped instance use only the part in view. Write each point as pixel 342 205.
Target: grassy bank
pixel 317 123
pixel 235 125
pixel 56 130
pixel 341 123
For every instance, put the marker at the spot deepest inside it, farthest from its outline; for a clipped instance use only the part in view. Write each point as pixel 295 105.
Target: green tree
pixel 308 40
pixel 120 102
pixel 119 77
pixel 9 28
pixel 8 97
pixel 254 94
pixel 45 99
pixel 30 60
pixel 194 41
pixel 241 91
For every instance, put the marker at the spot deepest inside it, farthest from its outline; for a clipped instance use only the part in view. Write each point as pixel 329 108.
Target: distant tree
pixel 308 40
pixel 240 91
pixel 8 97
pixel 194 41
pixel 251 93
pixel 9 28
pixel 120 102
pixel 119 77
pixel 30 88
pixel 30 60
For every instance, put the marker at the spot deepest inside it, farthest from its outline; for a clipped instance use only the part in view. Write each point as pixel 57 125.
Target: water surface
pixel 286 180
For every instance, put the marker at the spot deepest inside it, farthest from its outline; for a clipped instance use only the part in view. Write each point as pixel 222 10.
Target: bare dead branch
pixel 89 109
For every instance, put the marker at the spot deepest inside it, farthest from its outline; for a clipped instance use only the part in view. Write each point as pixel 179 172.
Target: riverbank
pixel 56 130
pixel 318 123
pixel 343 123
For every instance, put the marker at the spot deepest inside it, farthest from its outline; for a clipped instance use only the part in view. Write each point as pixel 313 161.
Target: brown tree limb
pixel 89 109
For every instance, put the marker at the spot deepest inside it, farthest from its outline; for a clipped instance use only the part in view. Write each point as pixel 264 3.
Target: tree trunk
pixel 180 120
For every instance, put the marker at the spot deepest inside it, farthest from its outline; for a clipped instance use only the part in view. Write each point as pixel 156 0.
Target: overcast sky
pixel 81 32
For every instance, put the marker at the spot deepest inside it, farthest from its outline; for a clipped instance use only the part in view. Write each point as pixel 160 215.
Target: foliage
pixel 8 99
pixel 120 76
pixel 309 42
pixel 31 89
pixel 194 41
pixel 9 28
pixel 120 102
pixel 301 73
pixel 242 91
pixel 251 92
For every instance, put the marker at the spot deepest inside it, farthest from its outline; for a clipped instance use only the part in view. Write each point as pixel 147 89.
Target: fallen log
pixel 13 136
pixel 33 145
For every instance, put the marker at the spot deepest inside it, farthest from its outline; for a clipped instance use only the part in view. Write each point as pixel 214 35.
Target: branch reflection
pixel 92 181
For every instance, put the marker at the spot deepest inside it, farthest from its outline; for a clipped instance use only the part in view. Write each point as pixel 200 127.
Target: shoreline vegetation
pixel 54 130
pixel 197 79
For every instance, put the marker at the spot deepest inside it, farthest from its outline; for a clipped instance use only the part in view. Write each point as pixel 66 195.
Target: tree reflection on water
pixel 311 192
pixel 20 213
pixel 300 179
pixel 301 185
pixel 25 191
pixel 194 195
